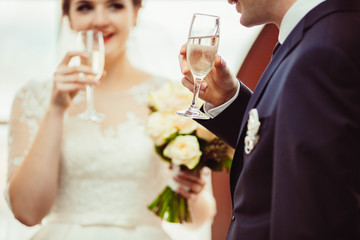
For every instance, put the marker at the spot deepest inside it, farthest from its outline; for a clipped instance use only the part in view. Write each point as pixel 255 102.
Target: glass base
pixel 92 116
pixel 193 113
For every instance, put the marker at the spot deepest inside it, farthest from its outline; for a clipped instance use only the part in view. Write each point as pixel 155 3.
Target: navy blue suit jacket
pixel 302 179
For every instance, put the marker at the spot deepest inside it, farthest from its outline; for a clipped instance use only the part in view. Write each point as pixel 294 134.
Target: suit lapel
pixel 281 53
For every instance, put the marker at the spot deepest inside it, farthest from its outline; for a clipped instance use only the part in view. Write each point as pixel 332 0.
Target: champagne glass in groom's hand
pixel 202 46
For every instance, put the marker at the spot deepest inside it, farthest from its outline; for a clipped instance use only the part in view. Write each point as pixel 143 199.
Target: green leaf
pixel 214 165
pixel 159 150
pixel 173 215
pixel 181 208
pixel 203 144
pixel 154 204
pixel 165 203
pixel 227 163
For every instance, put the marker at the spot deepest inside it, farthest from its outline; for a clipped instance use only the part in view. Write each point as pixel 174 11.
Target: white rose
pixel 185 125
pixel 170 97
pixel 160 126
pixel 184 150
pixel 159 97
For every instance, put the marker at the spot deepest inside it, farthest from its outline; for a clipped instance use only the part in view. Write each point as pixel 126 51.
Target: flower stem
pixel 172 206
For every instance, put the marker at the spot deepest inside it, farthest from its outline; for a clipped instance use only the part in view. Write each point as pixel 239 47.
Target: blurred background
pixel 30 49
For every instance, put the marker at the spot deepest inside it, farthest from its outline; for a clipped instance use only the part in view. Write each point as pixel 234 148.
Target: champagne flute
pixel 92 42
pixel 202 46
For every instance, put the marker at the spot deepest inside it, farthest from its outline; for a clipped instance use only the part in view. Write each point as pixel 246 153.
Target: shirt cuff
pixel 214 111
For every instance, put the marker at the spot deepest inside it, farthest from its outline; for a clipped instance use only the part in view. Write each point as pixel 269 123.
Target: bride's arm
pixel 200 196
pixel 33 183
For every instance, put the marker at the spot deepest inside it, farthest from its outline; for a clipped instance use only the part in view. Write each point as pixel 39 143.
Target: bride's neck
pixel 120 74
pixel 118 65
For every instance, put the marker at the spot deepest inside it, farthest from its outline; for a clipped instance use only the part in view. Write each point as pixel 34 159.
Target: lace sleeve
pixel 26 113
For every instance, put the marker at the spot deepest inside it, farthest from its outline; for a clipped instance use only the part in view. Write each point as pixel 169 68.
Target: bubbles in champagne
pixel 96 64
pixel 95 60
pixel 201 52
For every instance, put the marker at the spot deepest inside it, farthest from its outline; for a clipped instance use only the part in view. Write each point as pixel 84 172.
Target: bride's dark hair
pixel 65 5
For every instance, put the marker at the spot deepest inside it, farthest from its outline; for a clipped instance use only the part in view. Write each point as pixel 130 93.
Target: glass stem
pixel 197 85
pixel 89 97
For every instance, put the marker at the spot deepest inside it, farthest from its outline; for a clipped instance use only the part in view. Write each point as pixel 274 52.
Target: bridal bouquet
pixel 183 143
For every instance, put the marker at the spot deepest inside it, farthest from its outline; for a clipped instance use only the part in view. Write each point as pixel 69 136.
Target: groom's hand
pixel 219 86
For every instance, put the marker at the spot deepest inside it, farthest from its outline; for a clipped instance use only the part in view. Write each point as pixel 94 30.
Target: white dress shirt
pixel 292 17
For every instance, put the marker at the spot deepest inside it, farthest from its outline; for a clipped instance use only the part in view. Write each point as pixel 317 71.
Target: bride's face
pixel 115 18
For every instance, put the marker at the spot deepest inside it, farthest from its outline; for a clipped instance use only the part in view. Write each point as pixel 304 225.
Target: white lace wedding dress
pixel 109 170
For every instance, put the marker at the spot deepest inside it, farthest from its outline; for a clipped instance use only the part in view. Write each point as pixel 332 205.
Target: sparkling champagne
pixel 96 63
pixel 201 52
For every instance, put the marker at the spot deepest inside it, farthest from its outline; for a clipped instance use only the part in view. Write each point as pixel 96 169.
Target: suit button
pixel 232 218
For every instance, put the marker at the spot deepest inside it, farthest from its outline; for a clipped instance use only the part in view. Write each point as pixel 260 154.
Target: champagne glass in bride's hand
pixel 202 45
pixel 92 43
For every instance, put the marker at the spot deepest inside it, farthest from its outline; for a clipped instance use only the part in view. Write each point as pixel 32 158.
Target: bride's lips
pixel 107 37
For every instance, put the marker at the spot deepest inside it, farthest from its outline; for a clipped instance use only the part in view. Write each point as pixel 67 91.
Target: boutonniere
pixel 253 127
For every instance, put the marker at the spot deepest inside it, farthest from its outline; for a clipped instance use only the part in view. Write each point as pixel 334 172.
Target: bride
pixel 86 180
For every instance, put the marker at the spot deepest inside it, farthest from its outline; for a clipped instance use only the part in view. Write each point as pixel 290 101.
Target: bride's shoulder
pixel 31 100
pixel 34 91
pixel 35 87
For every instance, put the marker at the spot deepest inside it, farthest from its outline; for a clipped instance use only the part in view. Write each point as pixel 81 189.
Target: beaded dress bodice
pixel 109 171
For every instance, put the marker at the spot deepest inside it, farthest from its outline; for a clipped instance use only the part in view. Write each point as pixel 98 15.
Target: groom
pixel 296 170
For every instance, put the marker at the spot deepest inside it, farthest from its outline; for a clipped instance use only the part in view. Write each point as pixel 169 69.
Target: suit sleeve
pixel 227 124
pixel 316 179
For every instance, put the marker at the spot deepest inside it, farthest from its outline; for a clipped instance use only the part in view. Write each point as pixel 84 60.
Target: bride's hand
pixel 191 184
pixel 68 80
